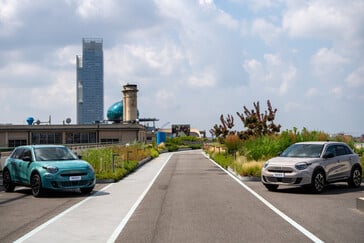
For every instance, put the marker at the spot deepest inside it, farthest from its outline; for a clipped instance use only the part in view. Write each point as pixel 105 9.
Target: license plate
pixel 75 178
pixel 279 175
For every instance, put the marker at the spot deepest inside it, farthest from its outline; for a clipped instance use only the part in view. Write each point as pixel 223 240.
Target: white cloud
pixel 257 5
pixel 274 75
pixel 9 20
pixel 65 56
pixel 95 9
pixel 315 18
pixel 265 30
pixel 182 53
pixel 292 107
pixel 327 63
pixel 337 91
pixel 165 99
pixel 227 20
pixel 312 92
pixel 356 78
pixel 204 79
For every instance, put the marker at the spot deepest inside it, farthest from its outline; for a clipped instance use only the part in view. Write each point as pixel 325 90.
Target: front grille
pixel 75 183
pixel 74 174
pixel 280 169
pixel 283 180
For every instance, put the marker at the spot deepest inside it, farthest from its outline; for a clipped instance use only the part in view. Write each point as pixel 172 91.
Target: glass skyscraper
pixel 90 82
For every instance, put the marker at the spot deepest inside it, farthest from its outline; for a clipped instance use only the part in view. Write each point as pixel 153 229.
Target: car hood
pixel 289 161
pixel 66 164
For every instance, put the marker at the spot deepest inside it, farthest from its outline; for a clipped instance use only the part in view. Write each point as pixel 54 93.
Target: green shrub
pixel 223 159
pixel 232 143
pixel 154 153
pixel 117 161
pixel 172 147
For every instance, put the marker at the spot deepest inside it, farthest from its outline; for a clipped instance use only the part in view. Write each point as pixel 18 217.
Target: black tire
pixel 7 182
pixel 318 181
pixel 355 177
pixel 86 190
pixel 271 187
pixel 36 185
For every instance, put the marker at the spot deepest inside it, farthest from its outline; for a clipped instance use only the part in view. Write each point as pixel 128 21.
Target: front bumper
pixel 298 178
pixel 61 181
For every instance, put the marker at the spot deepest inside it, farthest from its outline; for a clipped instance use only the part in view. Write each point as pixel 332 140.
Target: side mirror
pixel 329 155
pixel 79 156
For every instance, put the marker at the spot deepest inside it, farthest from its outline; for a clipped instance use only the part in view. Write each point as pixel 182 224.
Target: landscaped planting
pixel 253 152
pixel 117 161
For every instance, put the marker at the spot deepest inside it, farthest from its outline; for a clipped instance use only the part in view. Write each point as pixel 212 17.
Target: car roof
pixel 320 142
pixel 41 146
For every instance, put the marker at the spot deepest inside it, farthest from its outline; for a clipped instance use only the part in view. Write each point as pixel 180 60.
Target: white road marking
pixel 269 205
pixel 125 220
pixel 42 226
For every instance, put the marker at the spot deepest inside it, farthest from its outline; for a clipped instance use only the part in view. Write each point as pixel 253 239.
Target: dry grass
pixel 247 168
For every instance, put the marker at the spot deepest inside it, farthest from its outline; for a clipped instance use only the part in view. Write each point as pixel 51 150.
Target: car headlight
pixel 266 164
pixel 301 165
pixel 90 168
pixel 51 169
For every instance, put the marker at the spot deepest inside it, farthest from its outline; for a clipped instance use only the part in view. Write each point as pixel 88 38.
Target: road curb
pixel 360 203
pixel 231 171
pixel 140 164
pixel 243 178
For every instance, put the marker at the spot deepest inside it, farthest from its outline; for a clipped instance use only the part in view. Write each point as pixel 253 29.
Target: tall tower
pixel 130 108
pixel 90 82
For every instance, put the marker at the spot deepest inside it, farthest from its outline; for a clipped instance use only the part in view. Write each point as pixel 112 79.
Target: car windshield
pixel 53 154
pixel 303 151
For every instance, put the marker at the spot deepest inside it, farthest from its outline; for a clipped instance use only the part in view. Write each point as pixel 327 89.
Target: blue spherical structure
pixel 115 112
pixel 30 120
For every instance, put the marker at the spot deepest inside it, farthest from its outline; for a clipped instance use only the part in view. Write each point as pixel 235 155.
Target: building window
pixel 17 142
pixel 109 140
pixel 46 138
pixel 80 137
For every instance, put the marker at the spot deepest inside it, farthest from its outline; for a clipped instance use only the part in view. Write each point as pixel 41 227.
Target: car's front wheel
pixel 355 177
pixel 271 187
pixel 36 185
pixel 318 181
pixel 7 182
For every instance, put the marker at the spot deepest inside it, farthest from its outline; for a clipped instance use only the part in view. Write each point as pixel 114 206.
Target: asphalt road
pixel 191 200
pixel 20 212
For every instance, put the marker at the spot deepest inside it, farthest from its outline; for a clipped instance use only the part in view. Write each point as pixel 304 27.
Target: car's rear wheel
pixel 86 190
pixel 318 181
pixel 355 177
pixel 36 185
pixel 271 187
pixel 7 182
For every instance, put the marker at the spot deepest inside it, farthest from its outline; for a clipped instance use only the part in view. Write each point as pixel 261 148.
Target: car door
pixel 330 163
pixel 13 164
pixel 344 157
pixel 338 167
pixel 24 165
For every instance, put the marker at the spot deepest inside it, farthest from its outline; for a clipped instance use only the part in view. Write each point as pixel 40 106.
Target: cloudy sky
pixel 192 60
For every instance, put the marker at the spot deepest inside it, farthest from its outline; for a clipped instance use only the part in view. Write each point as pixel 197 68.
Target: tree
pixel 224 128
pixel 257 123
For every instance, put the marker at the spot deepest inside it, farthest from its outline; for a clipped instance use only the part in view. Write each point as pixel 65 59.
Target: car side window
pixel 17 153
pixel 341 150
pixel 26 153
pixel 331 149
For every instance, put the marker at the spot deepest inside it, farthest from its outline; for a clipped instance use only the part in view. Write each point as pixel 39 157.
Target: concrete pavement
pixel 100 217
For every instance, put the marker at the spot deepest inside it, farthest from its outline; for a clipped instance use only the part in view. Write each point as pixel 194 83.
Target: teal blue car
pixel 47 167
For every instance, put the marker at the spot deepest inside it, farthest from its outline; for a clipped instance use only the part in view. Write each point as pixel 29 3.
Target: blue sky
pixel 192 60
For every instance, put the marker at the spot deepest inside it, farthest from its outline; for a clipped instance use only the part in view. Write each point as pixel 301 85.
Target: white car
pixel 314 164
